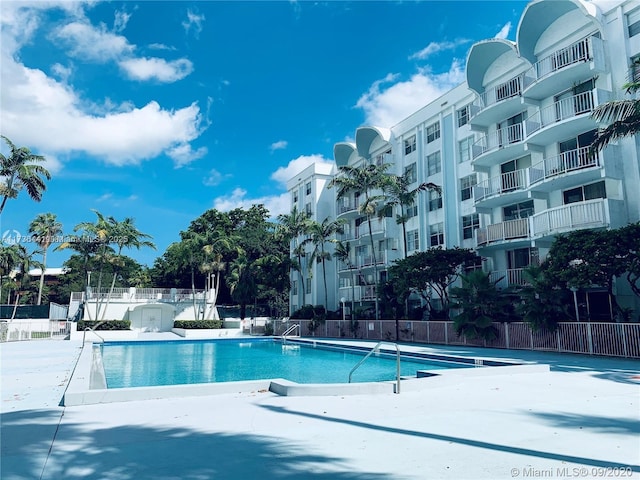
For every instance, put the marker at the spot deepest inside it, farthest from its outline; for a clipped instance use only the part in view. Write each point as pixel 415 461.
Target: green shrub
pixel 197 324
pixel 106 325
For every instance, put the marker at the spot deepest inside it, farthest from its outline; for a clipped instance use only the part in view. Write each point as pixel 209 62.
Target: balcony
pixel 575 216
pixel 502 232
pixel 564 68
pixel 358 293
pixel 499 146
pixel 508 278
pixel 378 227
pixel 490 193
pixel 350 206
pixel 573 167
pixel 497 103
pixel 565 118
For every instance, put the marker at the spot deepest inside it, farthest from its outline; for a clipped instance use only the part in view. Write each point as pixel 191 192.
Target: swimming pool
pixel 140 364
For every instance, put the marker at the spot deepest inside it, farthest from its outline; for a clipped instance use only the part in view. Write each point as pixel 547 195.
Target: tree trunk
pixel 375 267
pixel 44 267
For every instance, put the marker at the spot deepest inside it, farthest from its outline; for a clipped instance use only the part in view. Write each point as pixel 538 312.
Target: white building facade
pixel 509 147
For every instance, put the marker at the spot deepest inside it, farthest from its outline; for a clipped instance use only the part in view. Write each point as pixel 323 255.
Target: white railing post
pixel 506 334
pixel 589 339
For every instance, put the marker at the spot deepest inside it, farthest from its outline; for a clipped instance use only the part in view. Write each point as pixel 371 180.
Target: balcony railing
pixel 504 91
pixel 343 208
pixel 498 139
pixel 565 162
pixel 507 182
pixel 500 232
pixel 561 110
pixel 591 213
pixel 507 278
pixel 580 51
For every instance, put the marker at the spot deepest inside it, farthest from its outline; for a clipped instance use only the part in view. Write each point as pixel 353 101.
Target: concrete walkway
pixel 576 421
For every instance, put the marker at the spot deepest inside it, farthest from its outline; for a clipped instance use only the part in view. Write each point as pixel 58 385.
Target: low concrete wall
pixel 207 333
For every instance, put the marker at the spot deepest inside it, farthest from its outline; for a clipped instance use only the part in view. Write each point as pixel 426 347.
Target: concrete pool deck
pixel 581 419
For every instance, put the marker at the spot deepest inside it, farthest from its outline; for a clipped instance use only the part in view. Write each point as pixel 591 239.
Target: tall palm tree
pixel 319 235
pixel 400 195
pixel 124 234
pixel 291 227
pixel 622 116
pixel 242 283
pixel 367 180
pixel 217 243
pixel 24 264
pixel 9 258
pixel 45 227
pixel 20 170
pixel 343 253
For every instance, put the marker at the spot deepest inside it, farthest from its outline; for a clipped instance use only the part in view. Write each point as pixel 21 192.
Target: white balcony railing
pixel 500 232
pixel 511 88
pixel 507 278
pixel 565 162
pixel 591 213
pixel 561 110
pixel 580 51
pixel 504 183
pixel 498 139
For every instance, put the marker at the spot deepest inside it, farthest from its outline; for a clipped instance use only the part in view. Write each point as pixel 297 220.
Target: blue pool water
pixel 138 364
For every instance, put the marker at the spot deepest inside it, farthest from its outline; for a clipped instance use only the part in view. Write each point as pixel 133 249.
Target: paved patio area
pixel 580 420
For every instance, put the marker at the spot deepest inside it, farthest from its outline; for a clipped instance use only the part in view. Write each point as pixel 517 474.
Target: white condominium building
pixel 509 147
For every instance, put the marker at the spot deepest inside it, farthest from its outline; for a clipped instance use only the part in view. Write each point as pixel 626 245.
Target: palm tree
pixel 45 227
pixel 365 179
pixel 242 283
pixel 9 258
pixel 622 116
pixel 319 235
pixel 291 227
pixel 399 194
pixel 343 253
pixel 21 170
pixel 216 244
pixel 124 234
pixel 24 264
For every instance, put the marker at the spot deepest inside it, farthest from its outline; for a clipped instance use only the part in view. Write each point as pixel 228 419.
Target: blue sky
pixel 162 110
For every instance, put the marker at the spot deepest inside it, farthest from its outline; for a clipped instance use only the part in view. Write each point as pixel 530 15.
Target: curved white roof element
pixel 481 56
pixel 342 152
pixel 365 137
pixel 539 15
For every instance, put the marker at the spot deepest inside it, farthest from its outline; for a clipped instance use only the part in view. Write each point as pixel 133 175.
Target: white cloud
pixel 52 163
pixel 436 47
pixel 504 31
pixel 160 46
pixel 279 145
pixel 67 122
pixel 193 23
pixel 183 154
pixel 88 42
pixel 276 204
pixel 283 174
pixel 157 69
pixel 104 197
pixel 213 178
pixel 385 107
pixel 121 18
pixel 61 71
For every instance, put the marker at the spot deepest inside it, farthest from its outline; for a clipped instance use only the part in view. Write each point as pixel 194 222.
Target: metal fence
pixel 594 338
pixel 34 330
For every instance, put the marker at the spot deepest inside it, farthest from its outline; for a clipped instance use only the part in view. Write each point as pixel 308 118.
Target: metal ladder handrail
pixel 289 330
pixel 92 330
pixel 374 349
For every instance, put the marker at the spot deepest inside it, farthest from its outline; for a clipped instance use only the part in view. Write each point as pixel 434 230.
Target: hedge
pixel 107 325
pixel 197 324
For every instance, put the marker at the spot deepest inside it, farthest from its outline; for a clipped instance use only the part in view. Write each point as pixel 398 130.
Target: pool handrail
pixel 290 330
pixel 374 349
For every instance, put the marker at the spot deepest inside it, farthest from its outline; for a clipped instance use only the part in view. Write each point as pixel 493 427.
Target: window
pixel 634 68
pixel 469 224
pixel 463 116
pixel 435 200
pixel 410 145
pixel 295 197
pixel 308 188
pixel 433 132
pixel 307 288
pixel 434 165
pixel 413 240
pixel 411 211
pixel 294 287
pixel 411 173
pixel 307 209
pixel 380 159
pixel 522 258
pixel 633 22
pixel 518 211
pixel 585 192
pixel 436 234
pixel 466 186
pixel 464 149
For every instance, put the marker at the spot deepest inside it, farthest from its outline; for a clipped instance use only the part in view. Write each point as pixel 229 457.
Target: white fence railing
pixel 35 330
pixel 500 232
pixel 563 163
pixel 611 339
pixel 561 110
pixel 591 213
